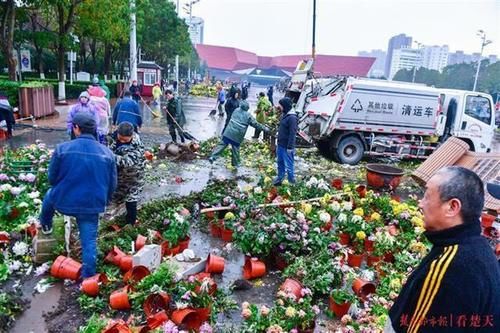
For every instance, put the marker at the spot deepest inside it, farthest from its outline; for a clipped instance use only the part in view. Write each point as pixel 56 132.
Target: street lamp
pixel 419 45
pixel 484 42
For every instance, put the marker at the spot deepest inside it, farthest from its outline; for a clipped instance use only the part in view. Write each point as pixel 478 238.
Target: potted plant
pixel 356 252
pixel 340 301
pixel 177 229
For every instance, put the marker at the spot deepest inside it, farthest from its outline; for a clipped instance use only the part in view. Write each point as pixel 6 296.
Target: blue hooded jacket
pixel 127 110
pixel 83 177
pixel 288 125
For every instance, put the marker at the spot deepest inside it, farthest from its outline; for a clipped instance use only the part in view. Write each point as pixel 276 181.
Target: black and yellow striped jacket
pixel 456 288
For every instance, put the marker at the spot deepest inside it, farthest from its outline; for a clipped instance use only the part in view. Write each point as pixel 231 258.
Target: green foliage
pixel 91 305
pixel 341 296
pixel 11 89
pixel 95 324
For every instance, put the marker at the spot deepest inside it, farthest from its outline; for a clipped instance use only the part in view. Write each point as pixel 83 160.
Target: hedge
pixel 11 88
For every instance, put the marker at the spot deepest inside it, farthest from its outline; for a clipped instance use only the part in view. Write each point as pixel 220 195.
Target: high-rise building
pixel 492 58
pixel 435 57
pixel 405 58
pixel 396 42
pixel 378 67
pixel 195 28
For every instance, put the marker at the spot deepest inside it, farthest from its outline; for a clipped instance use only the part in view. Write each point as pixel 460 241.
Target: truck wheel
pixel 350 150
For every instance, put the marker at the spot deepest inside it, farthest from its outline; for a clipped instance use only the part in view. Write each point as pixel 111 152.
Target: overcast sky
pixel 344 27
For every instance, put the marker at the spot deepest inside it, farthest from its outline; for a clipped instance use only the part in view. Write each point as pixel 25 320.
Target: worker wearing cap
pixel 459 280
pixel 83 177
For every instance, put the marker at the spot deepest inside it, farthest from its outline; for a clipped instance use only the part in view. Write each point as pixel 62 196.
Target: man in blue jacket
pixel 285 151
pixel 82 175
pixel 127 110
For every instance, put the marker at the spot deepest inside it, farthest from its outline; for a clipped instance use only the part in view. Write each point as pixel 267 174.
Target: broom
pixel 214 111
pixel 186 134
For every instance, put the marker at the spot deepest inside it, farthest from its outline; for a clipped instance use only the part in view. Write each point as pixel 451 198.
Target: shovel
pixel 186 134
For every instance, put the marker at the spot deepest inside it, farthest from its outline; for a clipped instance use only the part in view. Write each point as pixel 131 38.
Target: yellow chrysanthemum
pixel 359 211
pixel 306 208
pixel 395 284
pixel 376 216
pixel 290 312
pixel 229 216
pixel 267 180
pixel 417 221
pixel 361 235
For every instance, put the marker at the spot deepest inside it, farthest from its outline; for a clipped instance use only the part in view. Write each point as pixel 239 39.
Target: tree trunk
pixel 93 51
pixel 107 58
pixel 7 36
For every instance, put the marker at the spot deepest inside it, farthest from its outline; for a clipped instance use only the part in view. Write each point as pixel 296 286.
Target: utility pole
pixel 484 42
pixel 314 31
pixel 133 43
pixel 189 10
pixel 415 67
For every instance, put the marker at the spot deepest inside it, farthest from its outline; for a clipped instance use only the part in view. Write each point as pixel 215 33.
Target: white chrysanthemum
pixel 20 248
pixel 335 206
pixel 324 217
pixel 347 205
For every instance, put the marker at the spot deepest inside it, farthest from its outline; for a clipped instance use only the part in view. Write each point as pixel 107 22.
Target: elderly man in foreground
pixel 456 287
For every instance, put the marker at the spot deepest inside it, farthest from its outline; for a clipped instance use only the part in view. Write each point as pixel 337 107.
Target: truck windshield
pixel 478 107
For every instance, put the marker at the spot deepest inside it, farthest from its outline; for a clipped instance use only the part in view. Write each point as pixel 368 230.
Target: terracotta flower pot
pixel 187 317
pixel 90 286
pixel 354 260
pixel 344 238
pixel 136 274
pixel 114 256
pixel 292 286
pixel 204 314
pixel 381 176
pixel 487 220
pixel 215 230
pixel 126 263
pixel 157 319
pixel 337 183
pixel 363 288
pixel 361 190
pixel 184 244
pixel 114 227
pixel 165 249
pixel 118 299
pixel 215 264
pixel 339 309
pixel 66 268
pixel 227 235
pixel 212 286
pixel 140 241
pixel 253 269
pixel 369 245
pixel 155 303
pixel 175 250
pixel 373 260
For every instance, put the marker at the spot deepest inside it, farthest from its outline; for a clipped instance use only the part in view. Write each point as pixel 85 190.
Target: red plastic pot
pixel 136 274
pixel 184 212
pixel 339 309
pixel 126 263
pixel 165 248
pixel 491 232
pixel 337 183
pixel 66 268
pixel 227 235
pixel 184 244
pixel 148 155
pixel 114 256
pixel 497 249
pixel 361 190
pixel 354 260
pixel 344 238
pixel 118 299
pixel 382 176
pixel 487 220
pixel 114 227
pixel 363 288
pixel 292 286
pixel 369 245
pixel 211 282
pixel 157 319
pixel 90 286
pixel 215 230
pixel 155 303
pixel 253 269
pixel 215 264
pixel 187 317
pixel 140 241
pixel 4 237
pixel 175 250
pixel 204 314
pixel 373 260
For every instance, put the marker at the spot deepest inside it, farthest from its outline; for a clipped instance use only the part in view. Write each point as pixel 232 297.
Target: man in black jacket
pixel 286 142
pixel 232 103
pixel 456 287
pixel 172 116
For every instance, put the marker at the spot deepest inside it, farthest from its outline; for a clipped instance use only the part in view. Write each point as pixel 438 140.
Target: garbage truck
pixel 347 117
